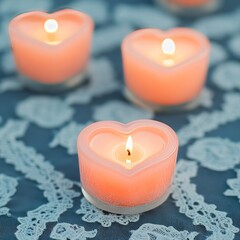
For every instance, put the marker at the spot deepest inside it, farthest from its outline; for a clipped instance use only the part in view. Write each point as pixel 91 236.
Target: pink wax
pixel 51 57
pixel 165 79
pixel 111 176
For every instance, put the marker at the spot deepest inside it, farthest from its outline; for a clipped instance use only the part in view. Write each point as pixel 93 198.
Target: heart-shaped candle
pixel 128 168
pixel 165 69
pixel 51 48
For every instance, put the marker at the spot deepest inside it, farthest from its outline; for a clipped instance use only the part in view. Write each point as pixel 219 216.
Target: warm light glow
pixel 51 26
pixel 129 149
pixel 168 46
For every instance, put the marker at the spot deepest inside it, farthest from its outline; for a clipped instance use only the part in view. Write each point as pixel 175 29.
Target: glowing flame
pixel 129 149
pixel 168 46
pixel 51 26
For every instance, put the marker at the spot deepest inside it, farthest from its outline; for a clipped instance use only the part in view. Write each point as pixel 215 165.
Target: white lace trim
pixel 206 98
pixel 193 205
pixel 12 130
pixel 67 137
pixel 4 211
pixel 153 17
pixel 215 153
pixel 234 185
pixel 109 38
pixel 92 214
pixel 9 84
pixel 150 231
pixel 8 187
pixel 66 231
pixel 101 81
pixel 196 129
pixel 120 111
pixel 226 75
pixel 210 25
pixel 57 189
pixel 44 111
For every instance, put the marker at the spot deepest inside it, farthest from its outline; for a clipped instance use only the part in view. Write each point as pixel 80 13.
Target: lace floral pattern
pixel 32 226
pixel 119 111
pixel 110 38
pixel 231 111
pixel 57 189
pixel 215 153
pixel 12 130
pixel 210 25
pixel 153 231
pixel 10 85
pixel 226 76
pixel 44 204
pixel 101 81
pixel 195 129
pixel 92 214
pixel 234 185
pixel 193 205
pixel 4 211
pixel 206 98
pixel 153 17
pixel 67 137
pixel 234 45
pixel 44 111
pixel 66 231
pixel 8 187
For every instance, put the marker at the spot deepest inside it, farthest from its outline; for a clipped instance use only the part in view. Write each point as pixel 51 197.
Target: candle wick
pixel 128 152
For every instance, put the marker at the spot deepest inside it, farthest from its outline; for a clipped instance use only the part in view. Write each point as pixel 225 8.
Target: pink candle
pixel 127 169
pixel 52 49
pixel 165 69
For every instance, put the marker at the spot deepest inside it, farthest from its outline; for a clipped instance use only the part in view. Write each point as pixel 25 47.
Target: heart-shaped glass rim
pixel 87 23
pixel 190 33
pixel 85 136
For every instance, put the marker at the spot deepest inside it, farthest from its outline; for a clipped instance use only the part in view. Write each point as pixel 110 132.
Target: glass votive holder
pixel 51 51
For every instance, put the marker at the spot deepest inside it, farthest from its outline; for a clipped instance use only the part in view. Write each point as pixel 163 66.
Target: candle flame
pixel 129 149
pixel 168 46
pixel 51 26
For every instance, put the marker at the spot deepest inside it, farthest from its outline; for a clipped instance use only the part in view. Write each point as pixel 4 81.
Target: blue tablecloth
pixel 40 197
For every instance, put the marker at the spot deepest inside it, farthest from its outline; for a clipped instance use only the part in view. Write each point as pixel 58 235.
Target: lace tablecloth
pixel 40 197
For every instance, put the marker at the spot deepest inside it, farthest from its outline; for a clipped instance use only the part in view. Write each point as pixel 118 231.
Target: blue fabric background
pixel 210 184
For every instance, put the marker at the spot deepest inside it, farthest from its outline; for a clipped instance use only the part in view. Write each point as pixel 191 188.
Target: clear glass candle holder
pixel 165 77
pixel 51 51
pixel 127 181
